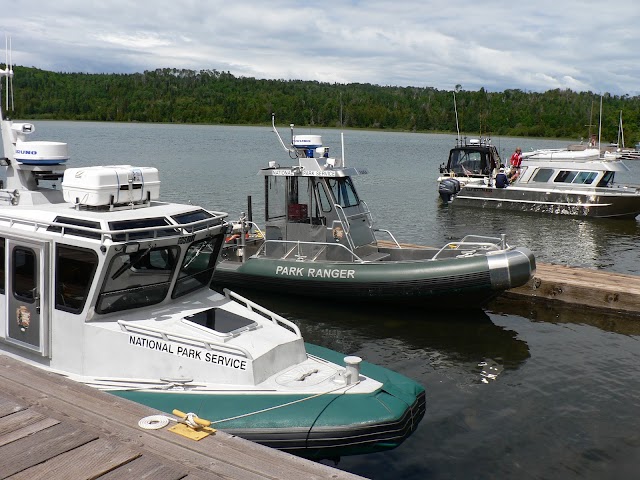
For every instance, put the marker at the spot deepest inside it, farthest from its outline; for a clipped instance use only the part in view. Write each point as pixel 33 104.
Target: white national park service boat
pixel 103 283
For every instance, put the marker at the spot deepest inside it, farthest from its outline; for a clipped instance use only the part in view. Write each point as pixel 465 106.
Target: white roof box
pixel 110 185
pixel 41 153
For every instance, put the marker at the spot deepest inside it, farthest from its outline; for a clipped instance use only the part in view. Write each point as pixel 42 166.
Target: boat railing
pixel 302 250
pixel 268 314
pixel 393 238
pixel 118 235
pixel 344 220
pixel 473 244
pixel 167 336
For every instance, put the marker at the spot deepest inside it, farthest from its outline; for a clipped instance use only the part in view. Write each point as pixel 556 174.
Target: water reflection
pixel 575 241
pixel 552 312
pixel 403 336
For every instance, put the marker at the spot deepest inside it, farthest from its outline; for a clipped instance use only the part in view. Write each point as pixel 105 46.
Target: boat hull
pixel 475 278
pixel 317 427
pixel 597 204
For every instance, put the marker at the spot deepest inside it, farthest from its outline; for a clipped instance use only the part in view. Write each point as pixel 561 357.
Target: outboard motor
pixel 448 188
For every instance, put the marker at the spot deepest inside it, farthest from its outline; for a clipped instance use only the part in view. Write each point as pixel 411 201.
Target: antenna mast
pixel 455 107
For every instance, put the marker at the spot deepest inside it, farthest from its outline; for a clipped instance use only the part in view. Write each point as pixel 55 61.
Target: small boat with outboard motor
pixel 552 182
pixel 472 160
pixel 103 283
pixel 319 239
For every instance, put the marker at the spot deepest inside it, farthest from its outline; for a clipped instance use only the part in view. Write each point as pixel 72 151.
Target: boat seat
pixel 373 257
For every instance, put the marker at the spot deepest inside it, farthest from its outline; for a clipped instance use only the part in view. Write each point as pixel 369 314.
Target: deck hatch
pixel 222 321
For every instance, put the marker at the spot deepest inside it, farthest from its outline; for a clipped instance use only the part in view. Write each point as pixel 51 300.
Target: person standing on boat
pixel 501 179
pixel 516 158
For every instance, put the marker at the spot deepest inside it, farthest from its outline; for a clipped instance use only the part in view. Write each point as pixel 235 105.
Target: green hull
pixel 326 426
pixel 476 279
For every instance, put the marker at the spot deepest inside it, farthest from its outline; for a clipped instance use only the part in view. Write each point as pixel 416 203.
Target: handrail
pixel 388 233
pixel 180 229
pixel 297 243
pixel 344 220
pixel 468 245
pixel 268 314
pixel 168 336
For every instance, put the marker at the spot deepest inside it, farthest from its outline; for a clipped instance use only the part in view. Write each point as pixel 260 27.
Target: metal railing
pixel 302 250
pixel 472 244
pixel 154 231
pixel 268 314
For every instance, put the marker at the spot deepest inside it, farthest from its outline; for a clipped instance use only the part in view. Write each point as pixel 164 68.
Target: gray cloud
pixel 495 44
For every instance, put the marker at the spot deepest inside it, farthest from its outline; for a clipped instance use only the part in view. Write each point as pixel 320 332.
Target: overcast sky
pixel 536 45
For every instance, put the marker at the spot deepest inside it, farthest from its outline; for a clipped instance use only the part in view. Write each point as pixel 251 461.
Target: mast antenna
pixel 455 107
pixel 8 74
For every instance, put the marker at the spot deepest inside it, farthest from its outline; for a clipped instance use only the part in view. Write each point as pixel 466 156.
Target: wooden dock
pixel 53 428
pixel 582 287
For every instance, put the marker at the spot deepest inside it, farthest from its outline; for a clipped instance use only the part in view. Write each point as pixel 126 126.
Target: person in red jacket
pixel 516 158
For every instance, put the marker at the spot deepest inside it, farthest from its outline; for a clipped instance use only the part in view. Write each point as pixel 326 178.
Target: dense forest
pixel 213 97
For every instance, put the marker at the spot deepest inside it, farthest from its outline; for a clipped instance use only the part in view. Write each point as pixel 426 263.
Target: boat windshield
pixel 198 265
pixel 343 191
pixel 466 162
pixel 143 278
pixel 138 279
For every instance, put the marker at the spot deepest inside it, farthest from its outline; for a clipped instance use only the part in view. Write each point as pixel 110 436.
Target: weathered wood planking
pixel 54 428
pixel 582 287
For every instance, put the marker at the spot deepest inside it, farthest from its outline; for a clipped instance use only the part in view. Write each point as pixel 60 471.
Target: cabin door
pixel 26 295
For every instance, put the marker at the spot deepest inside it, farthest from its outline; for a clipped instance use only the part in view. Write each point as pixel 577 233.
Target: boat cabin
pixel 101 244
pixel 473 157
pixel 316 201
pixel 586 174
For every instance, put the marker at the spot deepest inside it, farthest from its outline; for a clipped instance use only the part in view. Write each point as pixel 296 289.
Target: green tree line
pixel 213 97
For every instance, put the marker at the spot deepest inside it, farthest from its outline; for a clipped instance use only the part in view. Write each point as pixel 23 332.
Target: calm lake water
pixel 515 391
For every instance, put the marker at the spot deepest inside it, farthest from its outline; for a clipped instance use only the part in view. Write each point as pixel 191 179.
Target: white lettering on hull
pixel 315 272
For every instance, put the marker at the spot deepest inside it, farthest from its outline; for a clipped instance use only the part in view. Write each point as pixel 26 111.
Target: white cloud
pixel 493 44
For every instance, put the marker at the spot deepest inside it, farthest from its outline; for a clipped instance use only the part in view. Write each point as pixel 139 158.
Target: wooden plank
pixel 23 424
pixel 9 406
pixel 90 460
pixel 145 468
pixel 220 455
pixel 596 289
pixel 34 449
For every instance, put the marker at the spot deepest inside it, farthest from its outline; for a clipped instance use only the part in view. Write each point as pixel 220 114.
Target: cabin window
pixel 565 176
pixel 585 178
pixel 138 279
pixel 3 265
pixel 198 265
pixel 75 231
pixel 607 179
pixel 275 199
pixel 466 162
pixel 323 198
pixel 298 199
pixel 24 274
pixel 542 175
pixel 343 191
pixel 194 216
pixel 141 223
pixel 75 269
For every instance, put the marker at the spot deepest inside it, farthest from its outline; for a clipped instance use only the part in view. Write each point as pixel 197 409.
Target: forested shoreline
pixel 213 97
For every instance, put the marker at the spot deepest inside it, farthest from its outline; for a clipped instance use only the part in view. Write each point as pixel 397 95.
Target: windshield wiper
pixel 131 263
